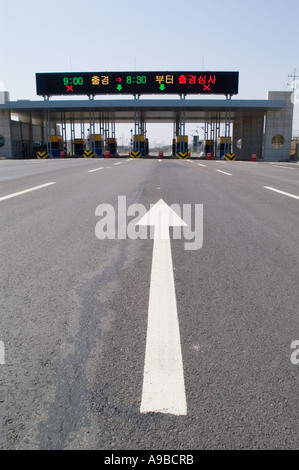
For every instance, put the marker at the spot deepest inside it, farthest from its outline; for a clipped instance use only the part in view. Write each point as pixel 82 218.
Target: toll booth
pixel 97 144
pixel 55 145
pixel 182 146
pixel 140 144
pixel 224 145
pixel 195 143
pixel 111 145
pixel 209 147
pixel 79 147
pixel 182 143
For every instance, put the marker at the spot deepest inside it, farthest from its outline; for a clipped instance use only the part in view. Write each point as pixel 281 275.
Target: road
pixel 74 307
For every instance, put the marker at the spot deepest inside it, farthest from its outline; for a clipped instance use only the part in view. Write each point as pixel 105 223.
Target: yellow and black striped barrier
pixel 88 154
pixel 183 155
pixel 135 154
pixel 42 154
pixel 230 156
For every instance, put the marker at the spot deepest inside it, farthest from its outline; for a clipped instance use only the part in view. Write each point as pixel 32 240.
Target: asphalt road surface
pixel 74 307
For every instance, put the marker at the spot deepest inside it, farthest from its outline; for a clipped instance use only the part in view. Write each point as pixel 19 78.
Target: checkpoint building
pixel 51 128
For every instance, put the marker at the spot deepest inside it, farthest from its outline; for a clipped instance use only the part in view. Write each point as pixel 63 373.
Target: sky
pixel 257 38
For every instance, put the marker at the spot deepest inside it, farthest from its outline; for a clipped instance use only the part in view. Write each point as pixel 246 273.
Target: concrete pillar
pixel 5 128
pixel 278 130
pixel 249 131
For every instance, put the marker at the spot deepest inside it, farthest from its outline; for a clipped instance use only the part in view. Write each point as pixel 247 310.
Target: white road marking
pixel 96 169
pixel 282 192
pixel 19 193
pixel 281 166
pixel 224 172
pixel 201 164
pixel 163 381
pixel 2 353
pixel 118 163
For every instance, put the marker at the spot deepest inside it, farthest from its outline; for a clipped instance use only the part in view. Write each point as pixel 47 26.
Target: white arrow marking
pixel 163 381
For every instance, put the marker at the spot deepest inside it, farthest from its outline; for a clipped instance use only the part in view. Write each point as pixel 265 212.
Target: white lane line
pixel 201 164
pixel 281 166
pixel 286 164
pixel 2 353
pixel 118 163
pixel 19 193
pixel 224 172
pixel 96 169
pixel 281 192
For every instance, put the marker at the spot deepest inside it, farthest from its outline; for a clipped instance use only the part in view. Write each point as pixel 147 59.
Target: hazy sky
pixel 258 38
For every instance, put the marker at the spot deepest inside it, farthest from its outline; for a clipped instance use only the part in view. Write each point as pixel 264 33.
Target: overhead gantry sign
pixel 137 83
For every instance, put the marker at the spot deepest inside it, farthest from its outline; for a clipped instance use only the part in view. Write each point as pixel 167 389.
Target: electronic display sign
pixel 137 83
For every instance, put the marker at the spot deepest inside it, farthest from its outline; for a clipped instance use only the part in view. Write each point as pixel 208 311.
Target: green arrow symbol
pixel 162 86
pixel 119 87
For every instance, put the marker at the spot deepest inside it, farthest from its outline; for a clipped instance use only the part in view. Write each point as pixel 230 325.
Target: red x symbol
pixel 69 88
pixel 206 87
